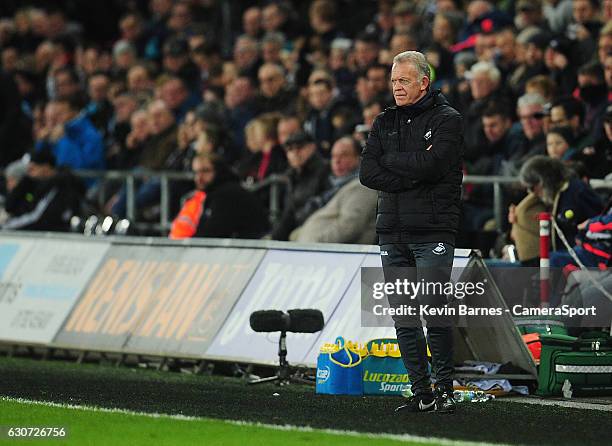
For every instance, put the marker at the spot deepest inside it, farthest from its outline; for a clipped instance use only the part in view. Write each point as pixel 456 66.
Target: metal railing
pixel 129 180
pixel 275 183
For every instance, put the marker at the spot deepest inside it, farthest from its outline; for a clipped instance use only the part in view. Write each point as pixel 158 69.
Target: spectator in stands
pixel 46 198
pixel 241 107
pixel 246 56
pixel 274 94
pixel 66 83
pixel 219 206
pixel 176 62
pixel 139 81
pixel 318 121
pixel 561 192
pixel 287 125
pixel 99 109
pixel 593 91
pixel 569 111
pixel 542 85
pixel 533 61
pixel 407 18
pixel 71 136
pixel 265 156
pixel 124 105
pixel 484 80
pixel 559 59
pixel 501 142
pixel 308 177
pixel 530 110
pixel 345 212
pixel 560 143
pixel 177 96
pixel 378 78
pixel 366 50
pixel 156 151
pixel 251 22
pixel 271 47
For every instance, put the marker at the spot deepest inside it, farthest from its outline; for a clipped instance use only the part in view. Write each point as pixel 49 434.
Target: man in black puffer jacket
pixel 413 157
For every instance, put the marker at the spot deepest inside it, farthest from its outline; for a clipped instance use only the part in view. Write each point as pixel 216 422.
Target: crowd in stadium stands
pixel 235 92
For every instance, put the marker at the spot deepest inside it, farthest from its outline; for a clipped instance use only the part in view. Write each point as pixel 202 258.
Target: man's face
pixel 270 81
pixel 582 11
pixel 343 158
pixel 377 78
pixel 138 79
pixel 365 53
pixel 272 19
pixel 245 53
pixel 408 87
pixel 298 154
pixel 98 88
pixel 173 93
pixel 286 127
pixel 124 107
pixel 161 117
pixel 495 127
pixel 533 54
pixel 319 96
pixel 65 86
pixel 251 21
pixel 204 173
pixel 532 120
pixel 481 85
pixel 558 118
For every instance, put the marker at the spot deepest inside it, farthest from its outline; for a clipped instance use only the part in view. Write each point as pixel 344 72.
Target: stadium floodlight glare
pixel 106 226
pixel 293 321
pixel 76 224
pixel 90 225
pixel 122 227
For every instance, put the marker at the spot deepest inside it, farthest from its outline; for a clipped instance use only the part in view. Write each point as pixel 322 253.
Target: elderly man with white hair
pixel 484 81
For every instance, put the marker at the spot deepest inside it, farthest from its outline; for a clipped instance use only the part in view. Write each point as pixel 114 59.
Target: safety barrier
pixel 193 298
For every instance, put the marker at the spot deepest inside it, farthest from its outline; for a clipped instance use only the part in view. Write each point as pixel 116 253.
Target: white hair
pixel 417 59
pixel 531 99
pixel 487 68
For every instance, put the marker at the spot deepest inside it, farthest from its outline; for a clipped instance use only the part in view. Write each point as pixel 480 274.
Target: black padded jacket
pixel 413 157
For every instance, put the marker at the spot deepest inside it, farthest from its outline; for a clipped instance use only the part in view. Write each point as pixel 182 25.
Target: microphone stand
pixel 283 376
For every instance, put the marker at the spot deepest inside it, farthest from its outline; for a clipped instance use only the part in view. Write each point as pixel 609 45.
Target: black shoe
pixel 418 403
pixel 445 403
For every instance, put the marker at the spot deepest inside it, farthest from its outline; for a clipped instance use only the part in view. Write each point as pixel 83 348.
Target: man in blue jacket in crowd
pixel 70 136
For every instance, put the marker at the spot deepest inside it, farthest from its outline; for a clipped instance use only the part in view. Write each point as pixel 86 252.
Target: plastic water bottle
pixel 407 392
pixel 471 396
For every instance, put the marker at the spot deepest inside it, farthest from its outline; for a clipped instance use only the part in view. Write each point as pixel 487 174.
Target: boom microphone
pixel 296 321
pixel 267 321
pixel 306 321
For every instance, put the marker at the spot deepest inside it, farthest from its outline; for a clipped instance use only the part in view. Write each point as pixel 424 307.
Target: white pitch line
pixel 571 404
pixel 286 427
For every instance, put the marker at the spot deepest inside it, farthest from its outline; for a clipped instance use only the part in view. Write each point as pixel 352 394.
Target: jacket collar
pixel 432 99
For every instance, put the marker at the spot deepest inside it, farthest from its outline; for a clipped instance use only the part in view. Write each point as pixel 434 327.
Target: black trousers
pixel 428 263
